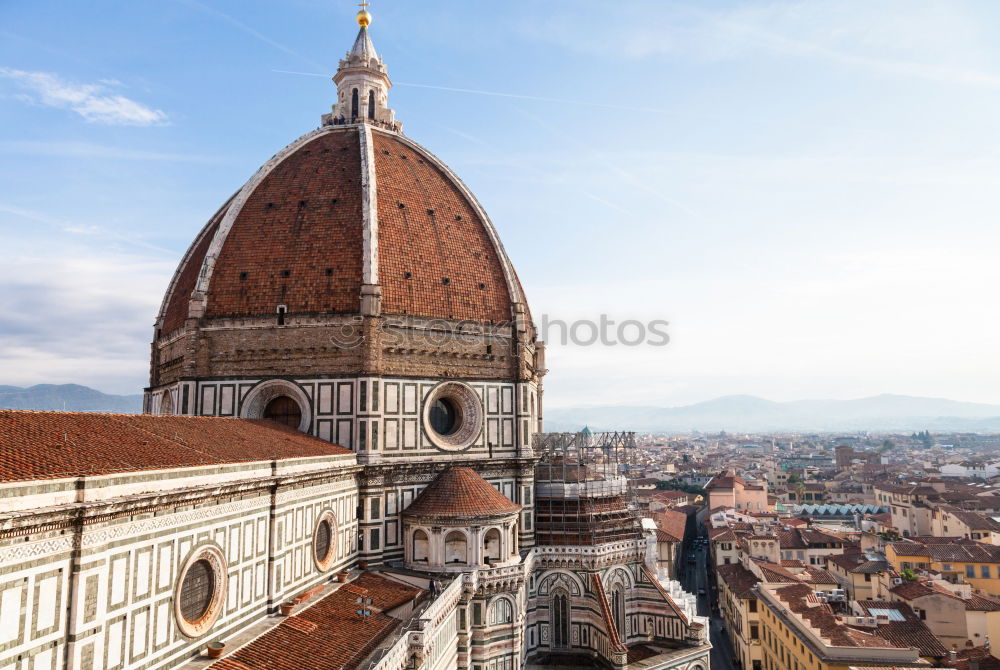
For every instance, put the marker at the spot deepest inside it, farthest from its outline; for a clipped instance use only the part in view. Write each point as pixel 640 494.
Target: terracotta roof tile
pixel 304 217
pixel 911 632
pixel 50 445
pixel 329 634
pixel 672 523
pixel 461 492
pixel 429 229
pixel 740 580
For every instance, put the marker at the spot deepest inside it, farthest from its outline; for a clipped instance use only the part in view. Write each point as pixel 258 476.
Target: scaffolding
pixel 584 489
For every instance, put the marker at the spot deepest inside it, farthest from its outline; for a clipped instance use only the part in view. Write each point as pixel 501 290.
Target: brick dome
pixel 340 209
pixel 461 493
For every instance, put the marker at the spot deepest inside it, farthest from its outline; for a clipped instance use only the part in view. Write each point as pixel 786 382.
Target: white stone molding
pixel 552 579
pixel 369 206
pixel 169 522
pixel 187 259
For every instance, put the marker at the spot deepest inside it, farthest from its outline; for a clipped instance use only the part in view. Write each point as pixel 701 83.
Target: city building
pixel 727 489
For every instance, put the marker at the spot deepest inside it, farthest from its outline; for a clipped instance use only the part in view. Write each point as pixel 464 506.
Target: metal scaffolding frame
pixel 584 488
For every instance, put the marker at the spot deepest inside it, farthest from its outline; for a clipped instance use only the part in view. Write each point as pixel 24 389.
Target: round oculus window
pixel 322 540
pixel 453 416
pixel 325 540
pixel 197 590
pixel 444 416
pixel 200 590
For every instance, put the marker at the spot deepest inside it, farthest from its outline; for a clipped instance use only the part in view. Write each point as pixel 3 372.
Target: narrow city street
pixel 695 580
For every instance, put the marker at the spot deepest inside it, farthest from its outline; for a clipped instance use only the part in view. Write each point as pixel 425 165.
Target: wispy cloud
pixel 77 228
pixel 501 94
pixel 96 103
pixel 252 32
pixel 60 149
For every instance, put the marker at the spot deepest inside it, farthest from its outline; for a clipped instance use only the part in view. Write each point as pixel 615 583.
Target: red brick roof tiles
pixel 428 228
pixel 912 632
pixel 672 523
pixel 329 634
pixel 176 306
pixel 773 572
pixel 982 603
pixel 801 600
pixel 458 493
pixel 957 550
pixel 50 445
pixel 740 580
pixel 298 240
pixel 305 216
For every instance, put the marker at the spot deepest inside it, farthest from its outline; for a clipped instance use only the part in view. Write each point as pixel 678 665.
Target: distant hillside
pixel 742 413
pixel 68 397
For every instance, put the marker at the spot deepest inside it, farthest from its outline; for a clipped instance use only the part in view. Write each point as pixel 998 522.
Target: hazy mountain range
pixel 68 397
pixel 737 413
pixel 744 413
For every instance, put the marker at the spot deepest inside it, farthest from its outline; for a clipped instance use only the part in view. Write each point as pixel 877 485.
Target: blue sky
pixel 808 192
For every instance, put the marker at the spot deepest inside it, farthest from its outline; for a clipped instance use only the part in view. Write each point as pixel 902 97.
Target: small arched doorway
pixel 285 411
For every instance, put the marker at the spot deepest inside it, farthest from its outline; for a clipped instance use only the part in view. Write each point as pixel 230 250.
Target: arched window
pixel 559 615
pixel 501 612
pixel 513 540
pixel 354 104
pixel 371 104
pixel 491 545
pixel 456 548
pixel 284 410
pixel 166 403
pixel 618 610
pixel 420 546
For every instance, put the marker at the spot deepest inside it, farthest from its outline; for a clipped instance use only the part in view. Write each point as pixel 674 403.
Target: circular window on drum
pixel 453 416
pixel 200 591
pixel 325 540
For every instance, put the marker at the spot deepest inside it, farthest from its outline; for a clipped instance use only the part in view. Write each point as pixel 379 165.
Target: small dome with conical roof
pixel 460 492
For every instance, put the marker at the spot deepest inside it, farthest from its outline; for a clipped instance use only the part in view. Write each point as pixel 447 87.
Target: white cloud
pixel 81 312
pixel 94 102
pixel 936 42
